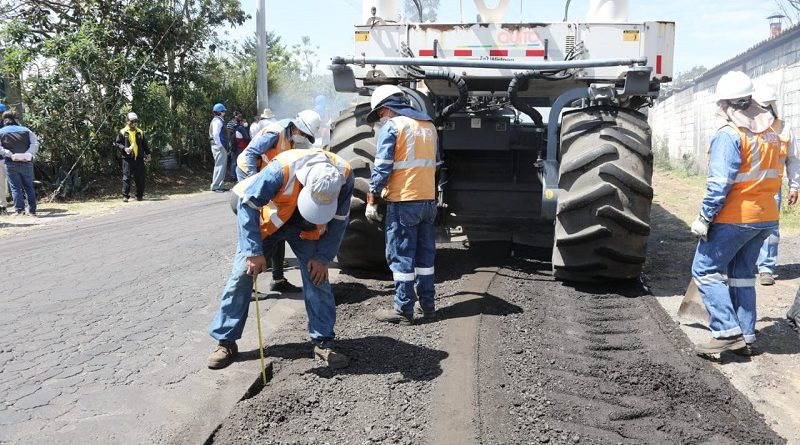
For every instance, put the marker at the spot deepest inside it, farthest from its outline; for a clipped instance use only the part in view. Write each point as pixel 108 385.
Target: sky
pixel 707 33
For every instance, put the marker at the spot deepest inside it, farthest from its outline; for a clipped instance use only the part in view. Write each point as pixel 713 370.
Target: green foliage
pixel 60 183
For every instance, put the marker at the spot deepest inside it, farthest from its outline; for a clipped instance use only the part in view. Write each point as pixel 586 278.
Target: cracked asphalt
pixel 104 323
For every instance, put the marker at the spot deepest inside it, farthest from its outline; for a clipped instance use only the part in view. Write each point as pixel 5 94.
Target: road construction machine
pixel 541 128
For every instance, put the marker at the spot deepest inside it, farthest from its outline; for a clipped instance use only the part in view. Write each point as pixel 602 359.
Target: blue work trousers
pixel 768 256
pixel 410 253
pixel 20 180
pixel 723 271
pixel 231 316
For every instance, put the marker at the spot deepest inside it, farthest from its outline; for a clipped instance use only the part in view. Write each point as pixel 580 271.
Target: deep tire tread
pixel 605 194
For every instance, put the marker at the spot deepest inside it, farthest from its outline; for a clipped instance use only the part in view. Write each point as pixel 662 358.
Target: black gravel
pixel 556 365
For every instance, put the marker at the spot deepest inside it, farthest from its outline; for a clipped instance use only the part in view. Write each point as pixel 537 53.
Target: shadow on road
pixel 670 250
pixel 370 355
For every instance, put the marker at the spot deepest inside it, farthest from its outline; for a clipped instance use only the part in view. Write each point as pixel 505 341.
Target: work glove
pixel 372 209
pixel 6 153
pixel 128 150
pixel 700 227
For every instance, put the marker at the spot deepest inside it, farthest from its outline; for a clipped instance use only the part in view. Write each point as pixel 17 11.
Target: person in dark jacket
pixel 18 146
pixel 134 149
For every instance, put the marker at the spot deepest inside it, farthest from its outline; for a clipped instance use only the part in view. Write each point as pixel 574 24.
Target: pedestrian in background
pixel 273 139
pixel 216 136
pixel 267 117
pixel 302 197
pixel 135 151
pixel 3 180
pixel 18 146
pixel 737 214
pixel 238 137
pixel 404 176
pixel 767 97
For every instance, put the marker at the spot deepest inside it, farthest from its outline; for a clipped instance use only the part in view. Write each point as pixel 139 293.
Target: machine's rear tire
pixel 364 242
pixel 605 194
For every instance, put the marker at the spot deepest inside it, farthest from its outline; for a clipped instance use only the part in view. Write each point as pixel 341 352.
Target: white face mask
pixel 299 138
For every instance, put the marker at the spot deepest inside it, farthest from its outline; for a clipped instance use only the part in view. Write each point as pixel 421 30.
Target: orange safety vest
pixel 284 203
pixel 751 199
pixel 284 143
pixel 414 170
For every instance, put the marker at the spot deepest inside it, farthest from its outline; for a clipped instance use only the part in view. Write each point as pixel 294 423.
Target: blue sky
pixel 708 32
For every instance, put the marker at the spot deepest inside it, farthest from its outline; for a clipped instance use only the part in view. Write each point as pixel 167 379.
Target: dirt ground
pixel 771 381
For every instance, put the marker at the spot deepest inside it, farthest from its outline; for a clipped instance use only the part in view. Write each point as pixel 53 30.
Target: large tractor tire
pixel 364 242
pixel 605 193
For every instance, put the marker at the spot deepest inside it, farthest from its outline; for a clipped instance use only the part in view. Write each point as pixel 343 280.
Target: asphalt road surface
pixel 104 324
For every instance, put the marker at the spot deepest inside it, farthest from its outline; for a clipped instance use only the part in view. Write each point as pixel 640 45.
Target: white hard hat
pixel 267 114
pixel 308 122
pixel 734 85
pixel 765 95
pixel 132 117
pixel 379 96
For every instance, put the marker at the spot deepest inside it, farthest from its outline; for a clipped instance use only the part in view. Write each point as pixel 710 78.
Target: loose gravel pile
pixel 595 366
pixel 555 365
pixel 384 396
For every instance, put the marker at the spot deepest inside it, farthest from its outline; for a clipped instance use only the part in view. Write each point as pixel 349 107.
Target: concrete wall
pixel 684 122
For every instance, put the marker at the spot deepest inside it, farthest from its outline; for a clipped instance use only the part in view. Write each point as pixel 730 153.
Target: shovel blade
pixel 692 309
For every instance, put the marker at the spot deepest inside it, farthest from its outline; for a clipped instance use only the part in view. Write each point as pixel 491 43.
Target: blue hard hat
pixel 3 108
pixel 218 108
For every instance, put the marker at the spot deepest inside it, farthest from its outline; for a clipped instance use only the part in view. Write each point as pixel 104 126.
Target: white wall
pixel 686 121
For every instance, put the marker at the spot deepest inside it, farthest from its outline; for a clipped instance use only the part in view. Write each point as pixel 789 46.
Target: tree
pixel 422 10
pixel 791 9
pixel 88 61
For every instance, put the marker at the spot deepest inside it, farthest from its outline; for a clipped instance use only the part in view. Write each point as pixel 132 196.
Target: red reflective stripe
pixel 534 53
pixel 498 52
pixel 462 52
pixel 426 52
pixel 658 64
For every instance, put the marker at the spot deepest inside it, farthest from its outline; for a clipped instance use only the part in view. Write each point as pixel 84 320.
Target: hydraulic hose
pixel 513 94
pixel 463 91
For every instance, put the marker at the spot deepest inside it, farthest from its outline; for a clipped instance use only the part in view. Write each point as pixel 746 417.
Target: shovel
pixel 692 309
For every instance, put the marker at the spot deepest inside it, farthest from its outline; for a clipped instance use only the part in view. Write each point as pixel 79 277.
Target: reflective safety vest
pixel 284 143
pixel 414 168
pixel 283 205
pixel 751 199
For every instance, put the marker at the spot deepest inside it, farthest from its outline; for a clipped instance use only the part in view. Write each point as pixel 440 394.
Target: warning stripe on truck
pixel 490 52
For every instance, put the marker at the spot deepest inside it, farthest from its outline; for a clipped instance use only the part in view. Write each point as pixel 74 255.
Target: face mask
pixel 299 138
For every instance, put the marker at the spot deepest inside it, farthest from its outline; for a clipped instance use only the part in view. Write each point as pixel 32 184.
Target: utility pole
pixel 261 56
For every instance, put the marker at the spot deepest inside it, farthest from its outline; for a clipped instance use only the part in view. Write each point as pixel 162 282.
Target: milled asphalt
pixel 105 321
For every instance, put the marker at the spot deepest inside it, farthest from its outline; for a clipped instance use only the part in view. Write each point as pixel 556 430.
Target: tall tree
pixel 422 10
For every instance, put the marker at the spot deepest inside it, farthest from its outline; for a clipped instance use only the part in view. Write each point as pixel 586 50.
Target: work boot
pixel 222 355
pixel 125 199
pixel 335 360
pixel 393 316
pixel 748 351
pixel 717 345
pixel 766 279
pixel 3 211
pixel 429 314
pixel 284 286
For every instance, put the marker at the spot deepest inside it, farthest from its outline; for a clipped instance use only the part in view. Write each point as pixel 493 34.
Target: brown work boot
pixel 393 316
pixel 766 279
pixel 335 360
pixel 222 355
pixel 425 314
pixel 717 345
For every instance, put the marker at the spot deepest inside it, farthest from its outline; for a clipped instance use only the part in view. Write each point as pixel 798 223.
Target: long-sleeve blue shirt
pixel 260 145
pixel 724 161
pixel 264 187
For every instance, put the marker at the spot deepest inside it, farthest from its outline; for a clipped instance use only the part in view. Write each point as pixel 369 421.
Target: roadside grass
pixel 105 194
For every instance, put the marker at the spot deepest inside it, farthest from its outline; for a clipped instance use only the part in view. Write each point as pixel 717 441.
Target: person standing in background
pixel 216 137
pixel 766 96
